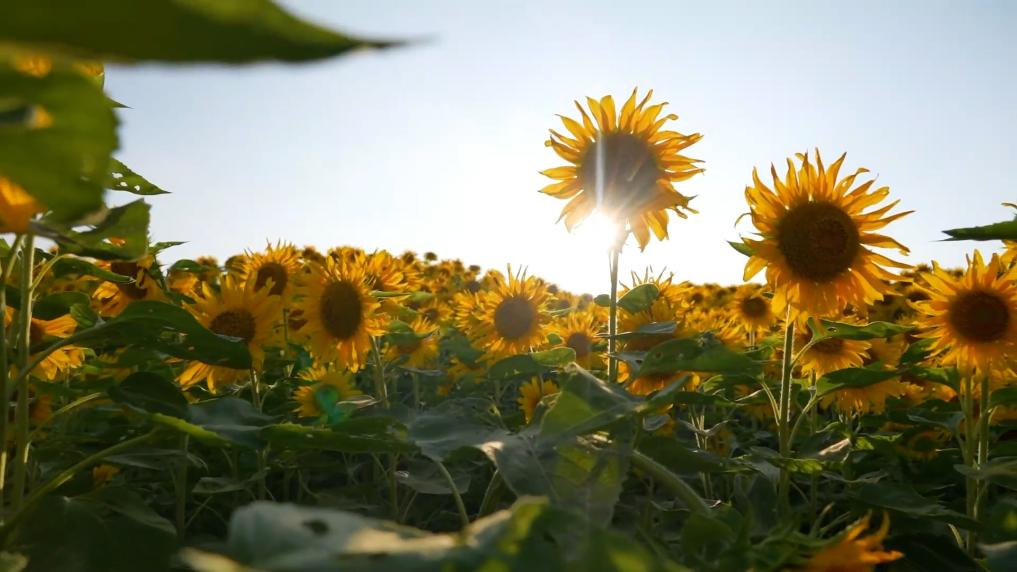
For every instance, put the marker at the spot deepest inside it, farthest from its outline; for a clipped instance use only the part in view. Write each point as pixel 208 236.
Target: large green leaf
pixel 852 377
pixel 62 160
pixel 122 178
pixel 1006 230
pixel 585 404
pixel 906 500
pixel 355 435
pixel 703 353
pixel 923 552
pixel 830 329
pixel 232 31
pixel 128 224
pixel 150 392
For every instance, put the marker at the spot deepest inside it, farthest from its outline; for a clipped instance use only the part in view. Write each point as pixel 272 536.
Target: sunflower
pixel 509 318
pixel 972 319
pixel 752 309
pixel 17 207
pixel 670 305
pixel 327 385
pixel 418 346
pixel 530 395
pixel 624 164
pixel 815 236
pixel 339 314
pixel 239 310
pixel 278 265
pixel 831 354
pixel 578 330
pixel 62 360
pixel 112 297
pixel 866 398
pixel 854 553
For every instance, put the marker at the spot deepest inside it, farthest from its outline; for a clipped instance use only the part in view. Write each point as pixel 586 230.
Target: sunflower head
pixel 853 552
pixel 530 395
pixel 623 163
pixel 816 231
pixel 275 269
pixel 972 318
pixel 509 318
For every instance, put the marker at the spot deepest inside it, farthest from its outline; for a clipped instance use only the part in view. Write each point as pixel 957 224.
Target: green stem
pixel 5 275
pixel 784 420
pixel 490 495
pixel 968 452
pixel 464 517
pixel 612 324
pixel 664 476
pixel 66 475
pixel 180 486
pixel 24 344
pixel 983 444
pixel 379 374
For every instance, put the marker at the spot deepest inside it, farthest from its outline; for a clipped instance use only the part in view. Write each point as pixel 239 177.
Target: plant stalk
pixel 24 348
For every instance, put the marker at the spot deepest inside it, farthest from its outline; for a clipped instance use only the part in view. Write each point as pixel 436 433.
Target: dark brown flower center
pixel 829 346
pixel 754 307
pixel 129 269
pixel 819 240
pixel 514 317
pixel 235 324
pixel 276 273
pixel 979 316
pixel 341 309
pixel 625 167
pixel 581 343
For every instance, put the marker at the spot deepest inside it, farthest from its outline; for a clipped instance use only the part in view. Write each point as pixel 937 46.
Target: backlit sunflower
pixel 239 310
pixel 578 330
pixel 752 309
pixel 972 318
pixel 339 315
pixel 865 399
pixel 62 360
pixel 416 345
pixel 831 354
pixel 509 318
pixel 17 208
pixel 112 297
pixel 854 553
pixel 624 164
pixel 671 305
pixel 815 238
pixel 278 265
pixel 334 386
pixel 531 393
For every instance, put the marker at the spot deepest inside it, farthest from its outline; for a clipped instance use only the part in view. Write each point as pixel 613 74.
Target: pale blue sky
pixel 437 146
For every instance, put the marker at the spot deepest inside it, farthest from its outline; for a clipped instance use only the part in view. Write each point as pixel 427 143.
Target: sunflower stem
pixel 379 374
pixel 612 324
pixel 983 444
pixel 464 517
pixel 24 343
pixel 5 274
pixel 968 452
pixel 180 489
pixel 784 421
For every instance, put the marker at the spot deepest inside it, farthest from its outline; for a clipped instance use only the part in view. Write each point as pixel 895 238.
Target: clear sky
pixel 437 146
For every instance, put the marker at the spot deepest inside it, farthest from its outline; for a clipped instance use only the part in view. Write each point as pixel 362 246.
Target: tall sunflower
pixel 623 163
pixel 831 354
pixel 240 310
pixel 509 318
pixel 340 316
pixel 815 238
pixel 972 319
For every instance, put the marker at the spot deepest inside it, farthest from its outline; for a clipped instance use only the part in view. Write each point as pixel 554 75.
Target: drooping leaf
pixel 639 298
pixel 354 435
pixel 128 224
pixel 830 329
pixel 701 354
pixel 852 377
pixel 233 419
pixel 906 500
pixel 231 31
pixel 122 178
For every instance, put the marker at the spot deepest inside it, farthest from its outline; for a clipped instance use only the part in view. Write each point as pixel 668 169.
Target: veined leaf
pixel 1006 230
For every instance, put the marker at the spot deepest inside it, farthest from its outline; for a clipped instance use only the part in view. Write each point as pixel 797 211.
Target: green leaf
pixel 455 424
pixel 557 357
pixel 529 365
pixel 851 332
pixel 1001 557
pixel 232 31
pixel 425 478
pixel 354 435
pixel 63 164
pixel 639 298
pixel 52 306
pixel 1003 397
pixel 1006 230
pixel 150 392
pixel 704 354
pixel 651 330
pixel 233 419
pixel 1000 471
pixel 585 404
pixel 906 500
pixel 197 432
pixel 742 248
pixel 852 377
pixel 127 223
pixel 924 552
pixel 121 178
pixel 80 267
pixel 679 458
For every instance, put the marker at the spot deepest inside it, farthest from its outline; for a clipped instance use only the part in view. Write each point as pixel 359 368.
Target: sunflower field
pixel 294 409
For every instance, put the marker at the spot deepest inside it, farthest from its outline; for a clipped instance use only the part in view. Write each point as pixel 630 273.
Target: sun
pixel 598 232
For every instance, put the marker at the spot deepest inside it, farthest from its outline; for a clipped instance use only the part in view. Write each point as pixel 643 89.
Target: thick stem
pixel 24 347
pixel 784 420
pixel 464 517
pixel 5 275
pixel 664 476
pixel 379 374
pixel 969 451
pixel 612 324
